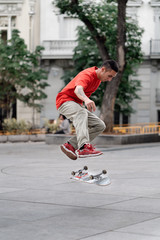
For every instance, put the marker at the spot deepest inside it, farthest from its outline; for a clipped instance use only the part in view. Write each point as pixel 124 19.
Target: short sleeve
pixel 82 80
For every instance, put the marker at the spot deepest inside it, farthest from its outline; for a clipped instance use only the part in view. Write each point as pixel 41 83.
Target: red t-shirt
pixel 87 79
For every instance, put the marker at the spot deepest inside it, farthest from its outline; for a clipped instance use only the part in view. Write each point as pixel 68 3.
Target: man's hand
pixel 81 95
pixel 90 105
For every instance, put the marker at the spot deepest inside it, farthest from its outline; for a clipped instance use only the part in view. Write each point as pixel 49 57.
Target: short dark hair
pixel 110 64
pixel 64 117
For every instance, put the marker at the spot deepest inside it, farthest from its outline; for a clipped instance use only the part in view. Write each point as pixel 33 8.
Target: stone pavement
pixel 39 201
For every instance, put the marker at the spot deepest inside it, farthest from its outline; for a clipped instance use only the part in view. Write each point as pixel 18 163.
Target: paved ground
pixel 39 201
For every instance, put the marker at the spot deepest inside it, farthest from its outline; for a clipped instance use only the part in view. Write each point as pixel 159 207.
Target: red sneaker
pixel 87 151
pixel 69 150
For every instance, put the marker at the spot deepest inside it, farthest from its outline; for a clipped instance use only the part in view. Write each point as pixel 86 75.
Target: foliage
pixel 18 127
pixel 51 125
pixel 86 54
pixel 20 74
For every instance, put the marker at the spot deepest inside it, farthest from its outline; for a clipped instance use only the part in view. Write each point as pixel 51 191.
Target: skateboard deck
pixel 82 175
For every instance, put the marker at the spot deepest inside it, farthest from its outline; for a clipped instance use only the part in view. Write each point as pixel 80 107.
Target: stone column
pixel 9 35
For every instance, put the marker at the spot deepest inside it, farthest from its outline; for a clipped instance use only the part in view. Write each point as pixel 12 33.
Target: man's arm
pixel 81 95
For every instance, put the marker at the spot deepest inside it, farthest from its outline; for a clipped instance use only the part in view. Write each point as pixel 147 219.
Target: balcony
pixel 11 1
pixel 155 48
pixel 58 49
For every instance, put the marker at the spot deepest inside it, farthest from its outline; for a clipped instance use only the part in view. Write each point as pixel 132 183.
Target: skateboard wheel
pixel 91 177
pixel 80 172
pixel 73 173
pixel 85 168
pixel 104 171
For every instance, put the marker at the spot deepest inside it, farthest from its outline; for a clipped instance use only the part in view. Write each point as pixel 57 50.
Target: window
pixel 116 118
pixel 7 24
pixel 158 116
pixel 68 27
pixel 124 119
pixel 4 35
pixel 120 118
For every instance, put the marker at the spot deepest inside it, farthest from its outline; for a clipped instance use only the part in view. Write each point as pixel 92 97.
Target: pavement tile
pixel 150 227
pixel 142 204
pixel 69 198
pixel 104 220
pixel 34 232
pixel 27 211
pixel 6 189
pixel 157 195
pixel 7 223
pixel 76 223
pixel 136 187
pixel 120 236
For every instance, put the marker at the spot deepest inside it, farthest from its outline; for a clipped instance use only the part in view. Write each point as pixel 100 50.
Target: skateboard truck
pixel 79 172
pixel 97 176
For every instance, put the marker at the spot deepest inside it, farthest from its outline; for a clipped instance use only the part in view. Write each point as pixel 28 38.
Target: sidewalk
pixel 39 201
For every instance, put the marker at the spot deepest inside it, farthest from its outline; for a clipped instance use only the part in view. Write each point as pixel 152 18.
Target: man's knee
pixel 101 125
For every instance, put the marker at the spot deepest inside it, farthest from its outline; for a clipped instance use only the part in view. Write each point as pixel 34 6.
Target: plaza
pixel 38 200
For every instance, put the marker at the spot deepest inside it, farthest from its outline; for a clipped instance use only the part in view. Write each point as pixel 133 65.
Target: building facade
pixel 148 16
pixel 24 16
pixel 40 24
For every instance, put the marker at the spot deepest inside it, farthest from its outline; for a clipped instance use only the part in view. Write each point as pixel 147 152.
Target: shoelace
pixel 90 146
pixel 70 146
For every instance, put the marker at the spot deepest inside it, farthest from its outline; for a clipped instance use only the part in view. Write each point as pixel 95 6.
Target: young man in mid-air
pixel 71 102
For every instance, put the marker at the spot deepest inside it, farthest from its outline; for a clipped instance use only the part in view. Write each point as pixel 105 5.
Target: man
pixel 69 102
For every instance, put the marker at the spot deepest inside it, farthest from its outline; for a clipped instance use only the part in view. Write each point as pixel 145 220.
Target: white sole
pixel 88 155
pixel 69 153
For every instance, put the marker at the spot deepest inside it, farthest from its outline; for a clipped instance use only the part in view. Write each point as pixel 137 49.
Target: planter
pixel 3 138
pixel 18 138
pixel 105 140
pixel 57 138
pixel 37 137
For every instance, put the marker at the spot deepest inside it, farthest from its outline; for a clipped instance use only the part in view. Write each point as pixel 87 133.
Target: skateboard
pixel 83 175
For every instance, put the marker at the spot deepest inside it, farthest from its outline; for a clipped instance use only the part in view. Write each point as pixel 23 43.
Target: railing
pixel 58 48
pixel 155 47
pixel 143 128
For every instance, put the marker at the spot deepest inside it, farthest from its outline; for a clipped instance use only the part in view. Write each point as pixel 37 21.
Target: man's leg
pixel 96 126
pixel 87 126
pixel 79 116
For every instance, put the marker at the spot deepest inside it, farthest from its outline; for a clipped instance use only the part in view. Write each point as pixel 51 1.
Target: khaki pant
pixel 87 124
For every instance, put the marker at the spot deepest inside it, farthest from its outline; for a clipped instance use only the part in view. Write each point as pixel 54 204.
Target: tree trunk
pixel 108 103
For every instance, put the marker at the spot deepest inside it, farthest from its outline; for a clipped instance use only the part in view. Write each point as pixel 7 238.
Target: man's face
pixel 107 75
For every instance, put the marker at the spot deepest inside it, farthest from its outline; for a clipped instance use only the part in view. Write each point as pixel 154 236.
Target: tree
pixel 20 75
pixel 86 54
pixel 93 15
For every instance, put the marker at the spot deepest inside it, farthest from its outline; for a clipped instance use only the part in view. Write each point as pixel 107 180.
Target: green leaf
pixel 19 70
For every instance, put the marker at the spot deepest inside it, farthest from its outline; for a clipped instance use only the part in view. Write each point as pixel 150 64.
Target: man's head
pixel 62 117
pixel 107 71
